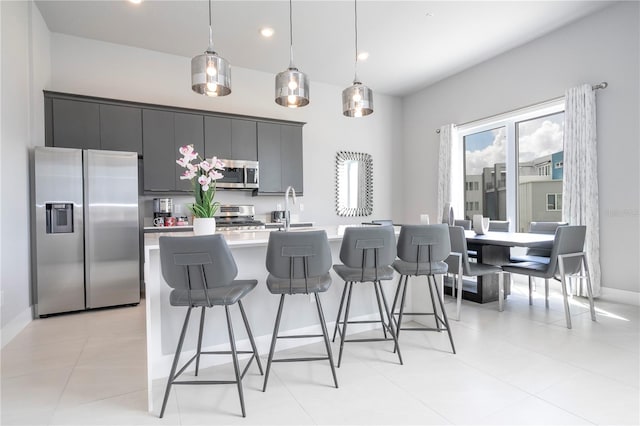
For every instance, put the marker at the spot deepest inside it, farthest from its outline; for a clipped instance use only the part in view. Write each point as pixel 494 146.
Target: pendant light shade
pixel 292 85
pixel 357 99
pixel 210 73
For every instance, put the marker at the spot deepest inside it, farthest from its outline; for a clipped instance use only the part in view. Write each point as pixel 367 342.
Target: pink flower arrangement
pixel 203 175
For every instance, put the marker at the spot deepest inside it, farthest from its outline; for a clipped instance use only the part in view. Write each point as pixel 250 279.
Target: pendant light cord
pixel 355 8
pixel 210 49
pixel 290 37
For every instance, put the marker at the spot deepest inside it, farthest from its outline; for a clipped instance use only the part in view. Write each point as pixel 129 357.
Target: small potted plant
pixel 203 175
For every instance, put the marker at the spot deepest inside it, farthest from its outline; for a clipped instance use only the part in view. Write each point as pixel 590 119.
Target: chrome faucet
pixel 287 213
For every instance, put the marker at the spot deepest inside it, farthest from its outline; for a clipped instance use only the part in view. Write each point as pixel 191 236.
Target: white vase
pixel 480 224
pixel 204 225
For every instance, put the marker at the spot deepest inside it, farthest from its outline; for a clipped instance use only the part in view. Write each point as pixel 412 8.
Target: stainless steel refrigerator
pixel 85 230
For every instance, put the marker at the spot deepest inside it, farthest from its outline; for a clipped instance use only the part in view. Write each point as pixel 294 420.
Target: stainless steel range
pixel 230 217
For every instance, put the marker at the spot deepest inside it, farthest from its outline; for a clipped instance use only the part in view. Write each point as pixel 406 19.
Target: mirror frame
pixel 365 188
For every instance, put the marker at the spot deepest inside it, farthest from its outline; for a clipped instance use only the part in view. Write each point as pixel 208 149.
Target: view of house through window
pixel 513 168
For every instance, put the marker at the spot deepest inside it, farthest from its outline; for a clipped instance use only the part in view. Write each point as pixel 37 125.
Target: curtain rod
pixel 602 85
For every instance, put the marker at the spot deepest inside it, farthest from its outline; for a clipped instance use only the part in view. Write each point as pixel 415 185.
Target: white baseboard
pixel 16 325
pixel 620 296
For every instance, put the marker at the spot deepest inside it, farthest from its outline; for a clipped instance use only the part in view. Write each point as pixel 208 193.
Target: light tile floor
pixel 521 366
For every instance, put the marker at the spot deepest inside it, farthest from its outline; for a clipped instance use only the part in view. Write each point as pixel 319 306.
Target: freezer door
pixel 111 228
pixel 58 261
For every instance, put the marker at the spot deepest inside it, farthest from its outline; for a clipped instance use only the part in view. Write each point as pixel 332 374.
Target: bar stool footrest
pixel 300 359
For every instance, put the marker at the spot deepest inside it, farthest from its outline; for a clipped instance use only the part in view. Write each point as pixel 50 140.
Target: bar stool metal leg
pixel 176 358
pixel 325 335
pixel 384 329
pixel 335 329
pixel 273 342
pixel 344 324
pixel 444 313
pixel 200 340
pixel 391 330
pixel 234 355
pixel 250 334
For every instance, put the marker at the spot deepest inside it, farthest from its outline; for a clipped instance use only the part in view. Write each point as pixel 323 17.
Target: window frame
pixel 510 122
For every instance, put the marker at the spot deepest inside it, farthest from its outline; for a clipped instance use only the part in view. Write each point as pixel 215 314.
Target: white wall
pixel 95 68
pixel 25 72
pixel 601 47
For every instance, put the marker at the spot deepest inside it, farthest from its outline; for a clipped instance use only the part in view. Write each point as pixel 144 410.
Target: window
pixel 516 163
pixel 554 202
pixel 475 186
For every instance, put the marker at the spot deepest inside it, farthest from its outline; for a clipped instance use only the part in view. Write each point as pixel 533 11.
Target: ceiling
pixel 411 43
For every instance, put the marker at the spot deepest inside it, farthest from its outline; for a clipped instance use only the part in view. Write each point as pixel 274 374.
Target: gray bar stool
pixel 201 271
pixel 366 254
pixel 299 263
pixel 422 250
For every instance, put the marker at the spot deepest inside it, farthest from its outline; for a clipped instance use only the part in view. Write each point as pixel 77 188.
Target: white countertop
pixel 247 238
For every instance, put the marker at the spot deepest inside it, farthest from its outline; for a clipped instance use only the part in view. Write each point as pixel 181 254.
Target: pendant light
pixel 210 73
pixel 292 86
pixel 357 99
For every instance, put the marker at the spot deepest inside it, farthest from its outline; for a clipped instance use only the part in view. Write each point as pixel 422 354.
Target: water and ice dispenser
pixel 59 218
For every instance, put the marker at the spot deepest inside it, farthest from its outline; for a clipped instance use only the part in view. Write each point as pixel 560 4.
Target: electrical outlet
pixel 301 207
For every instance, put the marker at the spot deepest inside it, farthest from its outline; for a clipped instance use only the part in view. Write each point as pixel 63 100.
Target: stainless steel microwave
pixel 239 174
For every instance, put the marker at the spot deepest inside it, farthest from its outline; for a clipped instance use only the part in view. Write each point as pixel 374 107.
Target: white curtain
pixel 580 182
pixel 444 169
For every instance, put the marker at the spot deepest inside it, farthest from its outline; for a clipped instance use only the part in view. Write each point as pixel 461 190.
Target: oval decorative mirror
pixel 354 184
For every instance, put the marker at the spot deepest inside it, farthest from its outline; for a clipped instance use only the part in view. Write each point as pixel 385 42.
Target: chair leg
pixel 384 329
pixel 459 301
pixel 444 313
pixel 395 300
pixel 401 313
pixel 335 328
pixel 174 366
pixel 592 308
pixel 546 292
pixel 250 334
pixel 200 340
pixel 530 287
pixel 501 291
pixel 433 304
pixel 325 335
pixel 343 333
pixel 234 355
pixel 563 282
pixel 273 342
pixel 393 333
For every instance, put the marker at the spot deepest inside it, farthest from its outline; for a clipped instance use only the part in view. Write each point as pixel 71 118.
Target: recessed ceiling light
pixel 362 56
pixel 135 1
pixel 266 32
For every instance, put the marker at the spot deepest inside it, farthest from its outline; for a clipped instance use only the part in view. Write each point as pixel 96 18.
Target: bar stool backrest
pixel 298 255
pixel 424 243
pixel 188 262
pixel 368 247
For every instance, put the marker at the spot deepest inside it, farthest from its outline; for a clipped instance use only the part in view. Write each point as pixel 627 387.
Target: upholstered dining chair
pixel 567 258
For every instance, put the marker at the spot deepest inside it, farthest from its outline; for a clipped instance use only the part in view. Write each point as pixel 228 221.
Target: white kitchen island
pixel 249 250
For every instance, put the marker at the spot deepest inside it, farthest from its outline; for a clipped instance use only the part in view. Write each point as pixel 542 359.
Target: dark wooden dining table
pixel 495 248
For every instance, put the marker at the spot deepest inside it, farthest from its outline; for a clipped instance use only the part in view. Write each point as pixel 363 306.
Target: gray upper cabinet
pixel 75 124
pixel 291 156
pixel 244 143
pixel 158 150
pixel 280 157
pixel 188 130
pixel 217 137
pixel 230 138
pixel 269 158
pixel 120 128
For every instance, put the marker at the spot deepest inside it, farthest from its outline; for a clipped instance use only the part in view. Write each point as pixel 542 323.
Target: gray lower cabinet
pixel 75 124
pixel 280 157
